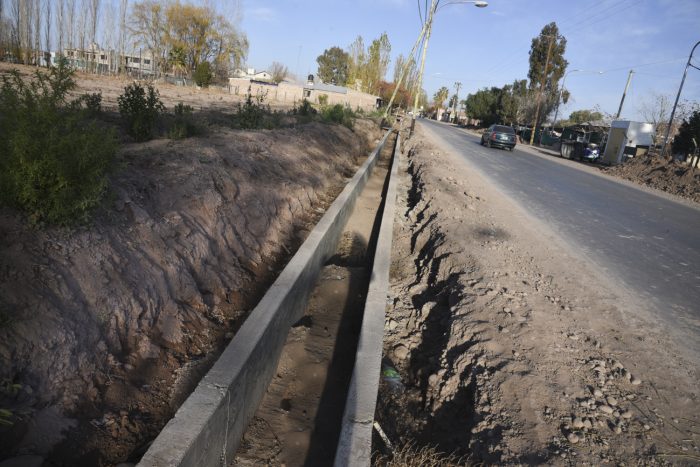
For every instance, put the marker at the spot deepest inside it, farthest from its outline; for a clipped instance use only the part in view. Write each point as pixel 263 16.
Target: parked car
pixel 500 136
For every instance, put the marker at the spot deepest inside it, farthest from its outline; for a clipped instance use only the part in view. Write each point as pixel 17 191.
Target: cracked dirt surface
pixel 111 325
pixel 511 349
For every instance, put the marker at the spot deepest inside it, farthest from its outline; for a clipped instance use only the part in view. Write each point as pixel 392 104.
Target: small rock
pixel 401 352
pixel 587 423
pixel 573 438
pixel 392 324
pixel 635 381
pixel 647 427
pixel 611 401
pixel 617 430
pixel 577 423
pixel 516 354
pixel 605 409
pixel 626 414
pixel 598 393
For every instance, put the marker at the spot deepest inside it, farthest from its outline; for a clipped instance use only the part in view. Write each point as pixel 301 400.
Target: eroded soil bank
pixel 107 328
pixel 511 348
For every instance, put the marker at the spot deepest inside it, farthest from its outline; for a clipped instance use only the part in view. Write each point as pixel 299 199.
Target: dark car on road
pixel 500 136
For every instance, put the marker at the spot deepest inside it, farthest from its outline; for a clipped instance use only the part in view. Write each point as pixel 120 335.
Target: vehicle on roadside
pixel 499 136
pixel 585 142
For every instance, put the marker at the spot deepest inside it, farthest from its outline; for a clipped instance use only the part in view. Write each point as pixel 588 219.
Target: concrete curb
pixel 207 429
pixel 355 444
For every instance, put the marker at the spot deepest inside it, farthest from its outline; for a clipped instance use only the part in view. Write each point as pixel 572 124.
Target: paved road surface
pixel 652 244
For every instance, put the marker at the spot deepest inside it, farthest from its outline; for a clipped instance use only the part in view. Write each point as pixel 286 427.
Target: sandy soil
pixel 514 350
pixel 109 326
pixel 299 419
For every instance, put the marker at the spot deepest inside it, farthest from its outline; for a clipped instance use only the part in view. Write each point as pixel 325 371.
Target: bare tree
pixel 70 23
pixel 109 28
pixel 655 109
pixel 36 32
pixel 60 17
pixel 147 28
pixel 94 7
pixel 279 72
pixel 123 6
pixel 47 31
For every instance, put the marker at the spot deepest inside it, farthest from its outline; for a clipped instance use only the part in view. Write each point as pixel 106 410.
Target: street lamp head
pixel 481 4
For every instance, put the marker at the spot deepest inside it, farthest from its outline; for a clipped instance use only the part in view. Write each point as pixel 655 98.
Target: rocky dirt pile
pixel 509 348
pixel 106 328
pixel 674 177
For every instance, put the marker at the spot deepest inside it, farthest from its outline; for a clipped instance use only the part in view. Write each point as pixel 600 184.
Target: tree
pixel 279 72
pixel 582 116
pixel 655 109
pixel 556 67
pixel 147 27
pixel 377 63
pixel 333 66
pixel 357 63
pixel 440 96
pixel 689 130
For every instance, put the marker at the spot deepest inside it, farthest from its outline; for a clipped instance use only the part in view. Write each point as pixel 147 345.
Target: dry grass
pixel 410 455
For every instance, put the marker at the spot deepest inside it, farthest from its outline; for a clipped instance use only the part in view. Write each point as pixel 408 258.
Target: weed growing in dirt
pixel 92 102
pixel 140 108
pixel 183 125
pixel 411 456
pixel 338 114
pixel 8 390
pixel 54 158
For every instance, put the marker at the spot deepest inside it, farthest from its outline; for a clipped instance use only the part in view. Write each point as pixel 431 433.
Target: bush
pixel 251 115
pixel 54 159
pixel 323 99
pixel 183 126
pixel 140 110
pixel 689 129
pixel 338 114
pixel 92 102
pixel 305 109
pixel 203 75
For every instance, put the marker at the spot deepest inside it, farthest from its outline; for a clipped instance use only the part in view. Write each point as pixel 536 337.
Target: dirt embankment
pixel 107 327
pixel 511 350
pixel 673 177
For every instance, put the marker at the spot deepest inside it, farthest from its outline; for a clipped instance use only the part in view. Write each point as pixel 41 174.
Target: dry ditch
pixel 113 324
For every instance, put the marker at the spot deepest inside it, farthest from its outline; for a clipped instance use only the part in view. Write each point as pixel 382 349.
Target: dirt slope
pixel 111 325
pixel 514 351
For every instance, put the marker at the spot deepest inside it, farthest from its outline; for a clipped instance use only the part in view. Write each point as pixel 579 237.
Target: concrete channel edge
pixel 355 444
pixel 206 430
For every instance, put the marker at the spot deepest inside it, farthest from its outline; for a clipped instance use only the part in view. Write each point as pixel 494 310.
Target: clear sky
pixel 489 46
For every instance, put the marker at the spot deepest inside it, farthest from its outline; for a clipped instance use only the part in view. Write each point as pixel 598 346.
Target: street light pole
pixel 675 104
pixel 435 4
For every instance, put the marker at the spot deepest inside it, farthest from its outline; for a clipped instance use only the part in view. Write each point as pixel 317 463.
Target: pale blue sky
pixel 489 46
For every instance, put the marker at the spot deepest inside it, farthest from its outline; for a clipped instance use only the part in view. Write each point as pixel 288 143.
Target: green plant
pixel 251 114
pixel 183 125
pixel 338 114
pixel 140 108
pixel 203 74
pixel 305 109
pixel 323 99
pixel 54 158
pixel 8 389
pixel 92 102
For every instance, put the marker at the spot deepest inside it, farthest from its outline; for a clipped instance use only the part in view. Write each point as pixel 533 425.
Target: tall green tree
pixel 441 96
pixel 556 67
pixel 582 116
pixel 690 128
pixel 377 62
pixel 333 66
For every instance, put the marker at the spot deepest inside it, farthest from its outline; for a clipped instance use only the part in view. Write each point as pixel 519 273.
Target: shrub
pixel 305 109
pixel 338 114
pixel 203 74
pixel 54 159
pixel 183 126
pixel 92 102
pixel 251 114
pixel 140 109
pixel 689 129
pixel 323 99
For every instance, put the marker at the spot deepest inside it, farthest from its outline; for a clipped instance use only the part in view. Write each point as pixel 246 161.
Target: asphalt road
pixel 648 242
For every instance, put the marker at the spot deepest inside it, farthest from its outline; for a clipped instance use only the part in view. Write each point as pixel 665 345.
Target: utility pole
pixel 457 85
pixel 624 93
pixel 419 83
pixel 680 88
pixel 539 94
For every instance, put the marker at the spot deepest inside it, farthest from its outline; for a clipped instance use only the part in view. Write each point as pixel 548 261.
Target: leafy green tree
pixel 581 116
pixel 555 68
pixel 333 66
pixel 203 74
pixel 689 130
pixel 367 68
pixel 441 96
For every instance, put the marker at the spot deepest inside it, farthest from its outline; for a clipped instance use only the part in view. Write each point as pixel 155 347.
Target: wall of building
pixel 291 93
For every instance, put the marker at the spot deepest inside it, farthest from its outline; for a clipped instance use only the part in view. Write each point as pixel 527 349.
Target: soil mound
pixel 106 328
pixel 673 177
